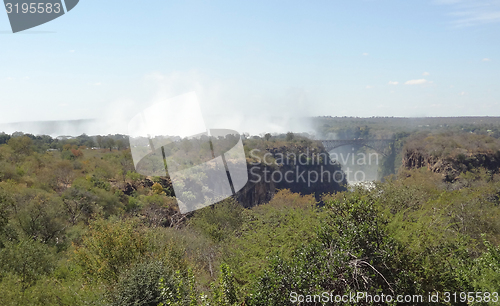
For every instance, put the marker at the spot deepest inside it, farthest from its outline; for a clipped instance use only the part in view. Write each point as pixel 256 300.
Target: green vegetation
pixel 79 227
pixel 452 144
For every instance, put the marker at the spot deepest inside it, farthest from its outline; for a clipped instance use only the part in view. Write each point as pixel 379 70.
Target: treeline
pixel 41 143
pixel 386 127
pixel 452 144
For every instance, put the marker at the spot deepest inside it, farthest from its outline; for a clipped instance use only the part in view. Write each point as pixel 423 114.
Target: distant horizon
pixel 319 116
pixel 94 127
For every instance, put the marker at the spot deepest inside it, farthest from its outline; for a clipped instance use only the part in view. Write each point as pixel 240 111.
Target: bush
pixel 134 176
pixel 279 227
pixel 352 253
pixel 39 215
pixel 28 259
pixel 140 286
pixel 218 221
pixel 485 273
pixel 108 248
pixel 157 189
pixel 224 290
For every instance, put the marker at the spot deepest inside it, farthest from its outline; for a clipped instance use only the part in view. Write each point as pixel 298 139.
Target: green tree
pixel 108 248
pixel 224 290
pixel 39 215
pixel 79 204
pixel 6 203
pixel 100 141
pixel 144 284
pixel 21 145
pixel 121 144
pixel 4 138
pixel 279 227
pixel 28 259
pixel 485 273
pixel 109 143
pixel 352 253
pixel 218 221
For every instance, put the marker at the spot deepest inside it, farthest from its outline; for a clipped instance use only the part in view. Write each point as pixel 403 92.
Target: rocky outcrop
pixel 452 166
pixel 256 192
pixel 129 187
pixel 302 169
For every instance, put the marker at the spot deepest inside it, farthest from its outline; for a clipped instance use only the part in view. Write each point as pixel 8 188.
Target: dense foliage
pixel 79 227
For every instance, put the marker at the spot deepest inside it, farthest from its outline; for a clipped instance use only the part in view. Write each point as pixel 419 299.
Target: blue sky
pixel 293 58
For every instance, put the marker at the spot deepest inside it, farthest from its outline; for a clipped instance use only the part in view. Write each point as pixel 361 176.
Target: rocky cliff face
pixel 453 165
pixel 302 169
pixel 451 153
pixel 256 192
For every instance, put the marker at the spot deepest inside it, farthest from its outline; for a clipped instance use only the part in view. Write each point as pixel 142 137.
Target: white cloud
pixel 416 82
pixel 365 54
pixel 10 78
pixel 426 73
pixel 486 59
pixel 72 51
pixel 463 93
pixel 98 84
pixel 393 82
pixel 369 86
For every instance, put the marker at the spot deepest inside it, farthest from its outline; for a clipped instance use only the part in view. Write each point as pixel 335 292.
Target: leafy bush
pixel 39 215
pixel 218 221
pixel 140 286
pixel 224 290
pixel 27 259
pixel 278 227
pixel 108 248
pixel 355 251
pixel 485 273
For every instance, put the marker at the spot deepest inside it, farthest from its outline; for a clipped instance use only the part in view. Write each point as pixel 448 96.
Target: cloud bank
pixel 417 82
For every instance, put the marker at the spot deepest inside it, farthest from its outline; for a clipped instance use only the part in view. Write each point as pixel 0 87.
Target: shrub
pixel 108 247
pixel 352 253
pixel 485 273
pixel 218 221
pixel 224 290
pixel 157 189
pixel 27 259
pixel 279 227
pixel 140 286
pixel 134 176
